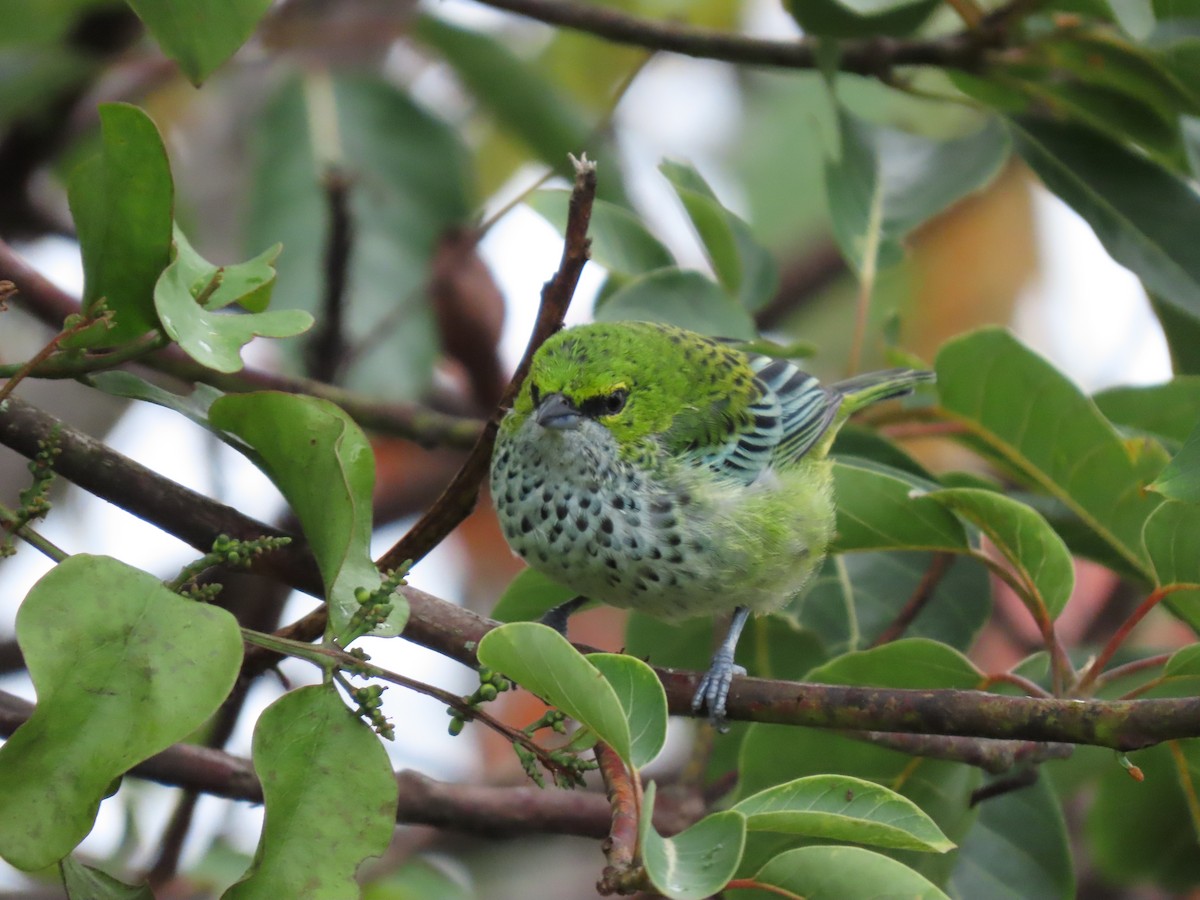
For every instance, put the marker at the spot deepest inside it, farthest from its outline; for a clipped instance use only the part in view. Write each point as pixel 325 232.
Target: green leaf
pixel 695 863
pixel 842 808
pixel 1038 556
pixel 642 697
pixel 678 297
pixel 189 314
pixel 1172 539
pixel 858 595
pixel 322 464
pixel 122 203
pixel 845 873
pixel 248 284
pixel 417 879
pixel 123 668
pixel 620 242
pixel 1140 831
pixel 120 383
pixel 1031 419
pixel 85 883
pixel 744 267
pixel 1166 411
pixel 916 664
pixel 330 798
pixel 1142 214
pixel 883 509
pixel 524 102
pixel 410 184
pixel 542 661
pixel 200 34
pixel 885 183
pixel 1182 331
pixel 1017 849
pixel 529 596
pixel 1180 480
pixel 860 18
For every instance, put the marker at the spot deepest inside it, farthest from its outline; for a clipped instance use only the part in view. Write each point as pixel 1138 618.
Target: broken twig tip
pixel 583 165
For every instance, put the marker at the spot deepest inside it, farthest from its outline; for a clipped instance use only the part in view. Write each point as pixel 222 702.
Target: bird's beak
pixel 556 411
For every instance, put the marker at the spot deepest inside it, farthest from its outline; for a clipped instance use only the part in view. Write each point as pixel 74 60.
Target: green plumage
pixel 650 467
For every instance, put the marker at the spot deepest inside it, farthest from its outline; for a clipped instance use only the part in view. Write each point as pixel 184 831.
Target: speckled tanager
pixel 652 468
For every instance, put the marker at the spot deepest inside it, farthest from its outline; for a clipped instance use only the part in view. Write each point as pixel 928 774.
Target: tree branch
pixel 455 632
pixel 478 809
pixel 872 56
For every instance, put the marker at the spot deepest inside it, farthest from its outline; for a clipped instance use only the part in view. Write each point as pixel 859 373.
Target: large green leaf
pixel 858 595
pixel 642 697
pixel 842 808
pixel 1140 831
pixel 1031 419
pixel 122 203
pixel 1168 411
pixel 881 509
pixel 885 183
pixel 678 297
pixel 330 799
pixel 860 18
pixel 542 661
pixel 1142 214
pixel 695 863
pixel 123 668
pixel 744 267
pixel 523 101
pixel 1172 539
pixel 1180 480
pixel 408 185
pixel 913 663
pixel 1017 849
pixel 843 873
pixel 1039 559
pixel 322 464
pixel 200 34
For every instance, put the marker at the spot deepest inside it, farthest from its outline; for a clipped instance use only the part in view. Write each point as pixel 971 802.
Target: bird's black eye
pixel 605 404
pixel 535 395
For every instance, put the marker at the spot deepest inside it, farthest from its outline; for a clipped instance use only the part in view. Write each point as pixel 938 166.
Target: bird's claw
pixel 714 689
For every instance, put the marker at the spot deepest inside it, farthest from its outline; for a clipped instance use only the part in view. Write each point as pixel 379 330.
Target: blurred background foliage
pixel 867 207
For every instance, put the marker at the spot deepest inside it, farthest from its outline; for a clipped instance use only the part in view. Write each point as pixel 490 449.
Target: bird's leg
pixel 714 686
pixel 557 617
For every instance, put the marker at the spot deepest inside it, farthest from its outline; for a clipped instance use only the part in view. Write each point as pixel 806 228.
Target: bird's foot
pixel 714 688
pixel 557 617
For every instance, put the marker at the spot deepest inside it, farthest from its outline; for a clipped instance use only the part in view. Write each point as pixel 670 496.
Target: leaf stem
pixel 12 523
pixel 328 658
pixel 1092 673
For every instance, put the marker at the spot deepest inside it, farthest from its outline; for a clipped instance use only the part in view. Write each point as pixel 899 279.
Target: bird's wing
pixel 806 408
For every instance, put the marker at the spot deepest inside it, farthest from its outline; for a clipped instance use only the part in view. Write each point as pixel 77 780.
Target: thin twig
pixel 327 347
pixel 938 567
pixel 1088 679
pixel 994 756
pixel 873 56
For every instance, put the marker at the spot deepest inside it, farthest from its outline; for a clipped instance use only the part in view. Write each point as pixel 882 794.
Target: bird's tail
pixel 863 390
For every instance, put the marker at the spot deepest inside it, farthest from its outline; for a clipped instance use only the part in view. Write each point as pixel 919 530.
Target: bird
pixel 649 467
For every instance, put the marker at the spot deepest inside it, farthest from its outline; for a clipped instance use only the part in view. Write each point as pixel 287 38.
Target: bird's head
pixel 642 382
